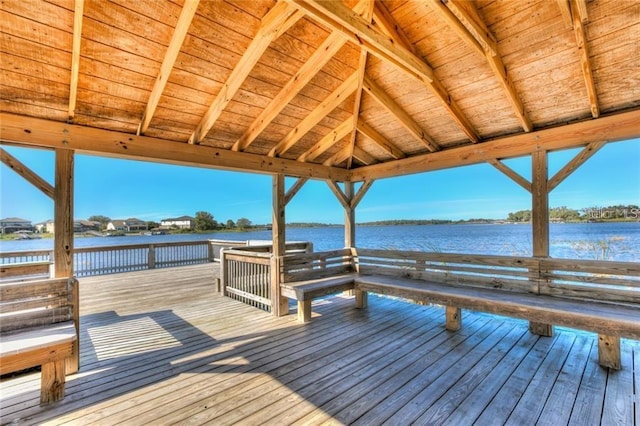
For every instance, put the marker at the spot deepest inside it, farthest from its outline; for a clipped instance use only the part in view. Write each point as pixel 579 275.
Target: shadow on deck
pixel 161 347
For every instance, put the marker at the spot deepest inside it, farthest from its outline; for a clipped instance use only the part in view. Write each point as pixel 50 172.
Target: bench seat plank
pixel 312 289
pixel 604 318
pixel 26 341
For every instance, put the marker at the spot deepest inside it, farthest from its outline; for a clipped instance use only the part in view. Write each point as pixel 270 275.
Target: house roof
pixel 333 90
pixel 178 219
pixel 14 220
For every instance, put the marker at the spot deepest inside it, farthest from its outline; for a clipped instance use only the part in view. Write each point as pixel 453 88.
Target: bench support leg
pixel 541 329
pixel 609 351
pixel 453 318
pixel 304 310
pixel 53 380
pixel 362 299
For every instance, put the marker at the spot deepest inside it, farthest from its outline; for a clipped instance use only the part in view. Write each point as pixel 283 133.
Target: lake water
pixel 609 241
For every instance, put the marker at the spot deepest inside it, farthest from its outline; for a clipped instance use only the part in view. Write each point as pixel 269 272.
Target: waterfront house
pixel 86 225
pixel 10 225
pixel 348 93
pixel 182 222
pixel 45 227
pixel 127 225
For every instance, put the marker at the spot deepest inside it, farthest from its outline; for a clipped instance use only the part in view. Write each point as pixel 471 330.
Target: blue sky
pixel 120 189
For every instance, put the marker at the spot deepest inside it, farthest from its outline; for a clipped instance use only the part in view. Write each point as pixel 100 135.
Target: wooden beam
pixel 509 172
pixel 314 117
pixel 330 139
pixel 585 61
pixel 576 162
pixel 341 196
pixel 297 186
pixel 366 185
pixel 275 23
pixel 29 175
pixel 309 69
pixel 340 156
pixel 464 19
pixel 611 128
pixel 279 304
pixel 75 57
pixel 179 34
pixel 397 111
pixel 386 24
pixel 52 134
pixel 339 17
pixel 581 6
pixel 565 12
pixel 362 66
pixel 363 156
pixel 380 140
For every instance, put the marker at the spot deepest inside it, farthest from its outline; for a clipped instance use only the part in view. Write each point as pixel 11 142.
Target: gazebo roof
pixel 330 90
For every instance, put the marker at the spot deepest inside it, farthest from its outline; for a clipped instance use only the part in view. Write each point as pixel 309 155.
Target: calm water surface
pixel 610 241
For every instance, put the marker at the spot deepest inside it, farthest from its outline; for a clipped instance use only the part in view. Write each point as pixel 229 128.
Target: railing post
pixel 210 252
pixel 151 258
pixel 223 272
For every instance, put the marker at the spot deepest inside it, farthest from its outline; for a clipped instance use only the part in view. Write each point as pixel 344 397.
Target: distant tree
pixel 204 221
pixel 520 216
pixel 230 224
pixel 151 224
pixel 104 220
pixel 243 223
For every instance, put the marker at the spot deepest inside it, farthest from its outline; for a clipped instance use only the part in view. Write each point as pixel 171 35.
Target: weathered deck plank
pixel 163 347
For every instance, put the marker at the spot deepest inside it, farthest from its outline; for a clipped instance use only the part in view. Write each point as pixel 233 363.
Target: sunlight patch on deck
pixel 108 344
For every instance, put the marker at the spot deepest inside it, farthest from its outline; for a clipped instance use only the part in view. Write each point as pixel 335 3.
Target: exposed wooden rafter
pixel 380 140
pixel 52 134
pixel 383 98
pixel 338 96
pixel 363 156
pixel 579 15
pixel 464 19
pixel 179 34
pixel 328 141
pixel 611 128
pixel 362 67
pixel 275 23
pixel 339 17
pixel 29 175
pixel 309 69
pixel 565 11
pixel 342 155
pixel 314 64
pixel 75 58
pixel 572 165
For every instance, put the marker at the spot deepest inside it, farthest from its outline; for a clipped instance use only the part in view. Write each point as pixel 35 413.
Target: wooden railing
pixel 246 276
pixel 615 282
pixel 247 273
pixel 89 261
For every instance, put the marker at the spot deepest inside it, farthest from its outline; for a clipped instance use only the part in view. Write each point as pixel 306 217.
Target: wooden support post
pixel 453 318
pixel 151 257
pixel 540 221
pixel 362 299
pixel 52 381
pixel 349 217
pixel 304 310
pixel 279 304
pixel 63 239
pixel 609 351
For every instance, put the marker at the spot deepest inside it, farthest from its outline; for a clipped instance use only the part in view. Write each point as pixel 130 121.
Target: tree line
pixel 629 212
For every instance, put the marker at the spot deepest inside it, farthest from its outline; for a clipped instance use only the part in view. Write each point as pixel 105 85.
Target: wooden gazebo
pixel 344 92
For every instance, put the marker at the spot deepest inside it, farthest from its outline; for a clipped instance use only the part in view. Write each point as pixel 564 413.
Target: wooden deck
pixel 161 347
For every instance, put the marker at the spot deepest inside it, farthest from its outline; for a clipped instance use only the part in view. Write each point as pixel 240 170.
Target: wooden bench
pixel 602 297
pixel 37 328
pixel 310 276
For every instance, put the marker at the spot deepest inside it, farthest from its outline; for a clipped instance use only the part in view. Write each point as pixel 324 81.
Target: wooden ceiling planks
pixel 435 84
